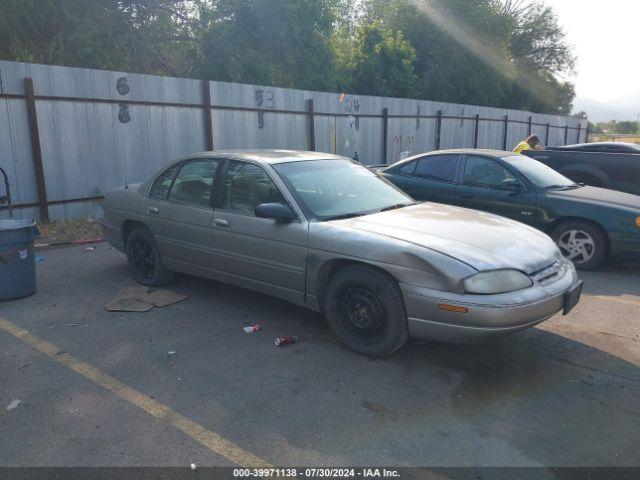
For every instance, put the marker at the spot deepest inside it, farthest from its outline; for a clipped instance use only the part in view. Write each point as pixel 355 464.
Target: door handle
pixel 467 195
pixel 221 222
pixel 153 211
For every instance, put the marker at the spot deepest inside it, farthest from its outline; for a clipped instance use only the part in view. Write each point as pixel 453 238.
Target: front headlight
pixel 496 281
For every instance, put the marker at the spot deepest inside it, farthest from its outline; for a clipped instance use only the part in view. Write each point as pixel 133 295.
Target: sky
pixel 605 36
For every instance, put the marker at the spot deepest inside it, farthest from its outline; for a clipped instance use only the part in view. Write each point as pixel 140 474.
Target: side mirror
pixel 275 211
pixel 512 185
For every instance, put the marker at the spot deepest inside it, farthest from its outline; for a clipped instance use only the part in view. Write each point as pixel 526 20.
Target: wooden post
pixel 546 142
pixel 586 140
pixel 530 125
pixel 506 132
pixel 438 129
pixel 312 125
pixel 208 115
pixel 579 131
pixel 37 151
pixel 476 131
pixel 385 134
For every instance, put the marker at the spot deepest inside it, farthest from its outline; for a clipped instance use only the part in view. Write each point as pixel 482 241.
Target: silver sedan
pixel 324 232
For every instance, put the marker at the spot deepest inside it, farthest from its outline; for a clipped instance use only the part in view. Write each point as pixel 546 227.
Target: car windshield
pixel 333 189
pixel 538 173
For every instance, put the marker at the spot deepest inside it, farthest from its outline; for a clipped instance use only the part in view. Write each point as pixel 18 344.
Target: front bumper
pixel 487 315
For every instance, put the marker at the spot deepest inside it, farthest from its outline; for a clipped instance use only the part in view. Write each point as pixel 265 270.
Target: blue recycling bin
pixel 17 258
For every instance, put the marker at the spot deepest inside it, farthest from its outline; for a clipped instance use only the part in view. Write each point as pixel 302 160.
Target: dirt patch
pixel 66 231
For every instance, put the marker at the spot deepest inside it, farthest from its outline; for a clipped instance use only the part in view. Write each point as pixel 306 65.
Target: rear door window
pixel 407 169
pixel 194 183
pixel 440 168
pixel 161 186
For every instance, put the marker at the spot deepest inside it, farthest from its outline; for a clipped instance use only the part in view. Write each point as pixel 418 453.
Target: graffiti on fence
pixel 264 99
pixel 351 106
pixel 402 147
pixel 122 86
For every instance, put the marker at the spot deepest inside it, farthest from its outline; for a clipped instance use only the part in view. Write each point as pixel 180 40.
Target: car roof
pixel 460 151
pixel 270 156
pixel 478 151
pixel 598 144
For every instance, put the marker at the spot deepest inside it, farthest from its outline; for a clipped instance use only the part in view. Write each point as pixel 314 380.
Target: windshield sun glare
pixel 330 189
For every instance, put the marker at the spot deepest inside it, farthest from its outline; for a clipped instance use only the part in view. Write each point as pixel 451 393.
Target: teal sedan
pixel 588 224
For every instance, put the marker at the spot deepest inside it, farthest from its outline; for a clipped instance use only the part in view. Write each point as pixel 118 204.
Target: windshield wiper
pixel 345 216
pixel 396 206
pixel 562 187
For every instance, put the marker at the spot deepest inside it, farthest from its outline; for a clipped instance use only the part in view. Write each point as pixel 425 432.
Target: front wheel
pixel 365 311
pixel 582 243
pixel 144 259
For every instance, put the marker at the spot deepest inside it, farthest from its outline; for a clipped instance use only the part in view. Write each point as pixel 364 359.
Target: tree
pixel 380 62
pixel 541 91
pixel 539 53
pixel 452 39
pixel 501 53
pixel 537 40
pixel 273 42
pixel 147 36
pixel 625 128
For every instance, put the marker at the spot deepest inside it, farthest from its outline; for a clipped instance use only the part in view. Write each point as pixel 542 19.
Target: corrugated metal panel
pixel 90 146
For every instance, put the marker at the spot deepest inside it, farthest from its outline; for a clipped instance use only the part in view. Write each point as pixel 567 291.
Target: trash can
pixel 17 258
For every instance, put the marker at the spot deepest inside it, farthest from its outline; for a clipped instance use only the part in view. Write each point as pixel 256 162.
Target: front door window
pixel 487 173
pixel 246 186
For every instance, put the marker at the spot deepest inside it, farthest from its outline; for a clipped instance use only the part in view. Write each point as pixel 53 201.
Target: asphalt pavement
pixel 85 387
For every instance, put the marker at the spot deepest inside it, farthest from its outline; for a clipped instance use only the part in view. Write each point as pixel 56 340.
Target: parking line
pixel 209 439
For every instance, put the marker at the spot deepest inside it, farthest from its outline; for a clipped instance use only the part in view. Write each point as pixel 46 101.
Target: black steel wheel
pixel 145 260
pixel 362 313
pixel 365 310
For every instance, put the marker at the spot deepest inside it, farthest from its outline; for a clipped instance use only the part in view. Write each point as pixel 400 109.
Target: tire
pixel 365 311
pixel 144 259
pixel 583 243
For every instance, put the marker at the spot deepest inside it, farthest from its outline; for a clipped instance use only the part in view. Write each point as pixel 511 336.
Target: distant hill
pixel 627 108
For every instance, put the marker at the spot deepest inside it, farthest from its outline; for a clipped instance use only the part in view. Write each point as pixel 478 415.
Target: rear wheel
pixel 581 242
pixel 365 311
pixel 144 259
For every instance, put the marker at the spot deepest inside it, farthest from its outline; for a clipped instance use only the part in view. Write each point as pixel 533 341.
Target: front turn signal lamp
pixel 638 222
pixel 496 281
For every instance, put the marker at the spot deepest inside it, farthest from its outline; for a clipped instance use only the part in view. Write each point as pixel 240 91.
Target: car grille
pixel 550 274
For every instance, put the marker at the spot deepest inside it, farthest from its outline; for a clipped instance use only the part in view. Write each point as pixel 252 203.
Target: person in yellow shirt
pixel 532 142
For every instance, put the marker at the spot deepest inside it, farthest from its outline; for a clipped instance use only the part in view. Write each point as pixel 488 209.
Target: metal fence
pixel 67 135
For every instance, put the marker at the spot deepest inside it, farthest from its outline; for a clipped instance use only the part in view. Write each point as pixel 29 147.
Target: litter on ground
pixel 285 340
pixel 140 299
pixel 14 403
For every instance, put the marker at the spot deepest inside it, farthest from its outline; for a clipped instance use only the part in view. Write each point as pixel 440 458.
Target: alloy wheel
pixel 577 246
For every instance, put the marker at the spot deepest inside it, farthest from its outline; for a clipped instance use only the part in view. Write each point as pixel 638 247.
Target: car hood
pixel 600 196
pixel 481 240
